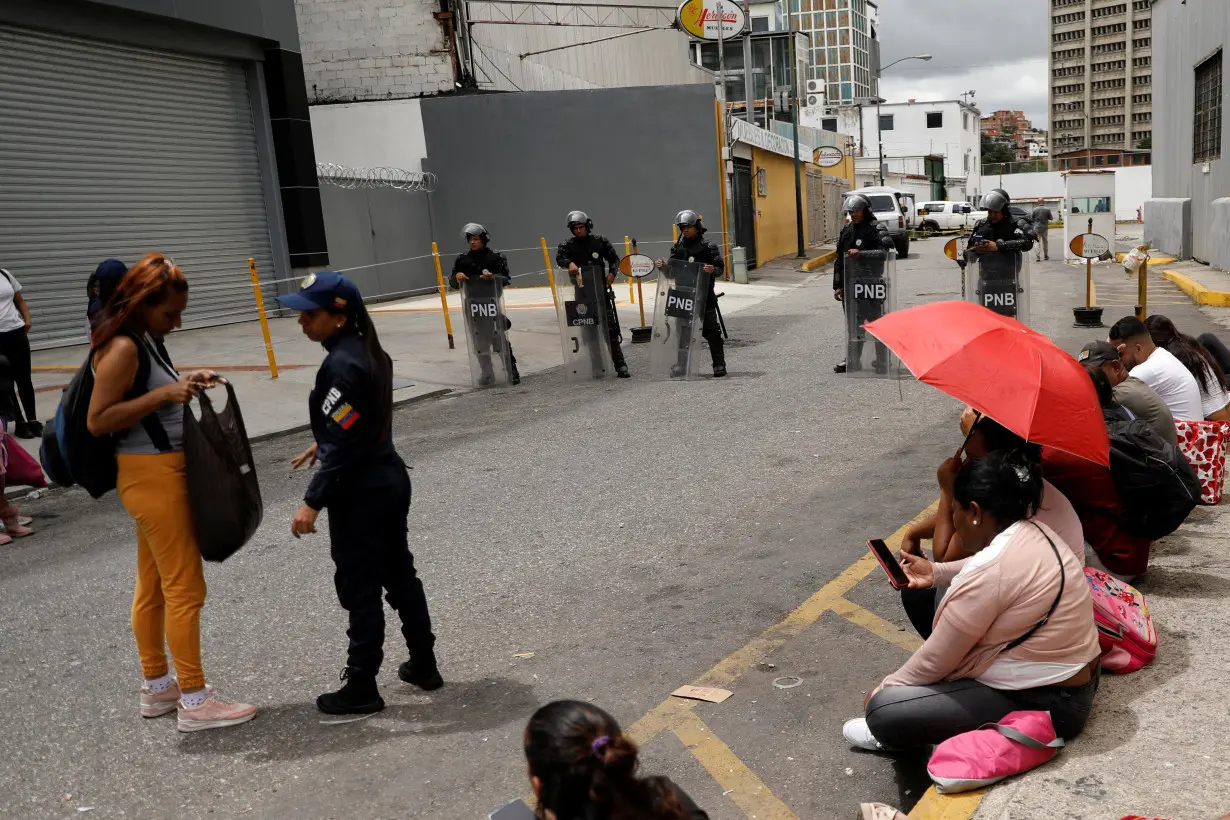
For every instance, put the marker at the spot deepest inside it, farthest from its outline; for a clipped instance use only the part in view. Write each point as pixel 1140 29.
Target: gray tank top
pixel 135 440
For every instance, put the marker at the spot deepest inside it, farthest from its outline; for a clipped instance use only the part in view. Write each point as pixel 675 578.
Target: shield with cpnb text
pixel 482 310
pixel 583 323
pixel 678 318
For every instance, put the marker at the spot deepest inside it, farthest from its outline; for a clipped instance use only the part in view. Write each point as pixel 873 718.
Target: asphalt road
pixel 629 534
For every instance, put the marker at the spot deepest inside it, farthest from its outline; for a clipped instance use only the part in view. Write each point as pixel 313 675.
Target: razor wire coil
pixel 352 179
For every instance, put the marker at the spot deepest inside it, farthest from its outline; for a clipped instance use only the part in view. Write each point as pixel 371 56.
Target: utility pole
pixel 794 123
pixel 749 85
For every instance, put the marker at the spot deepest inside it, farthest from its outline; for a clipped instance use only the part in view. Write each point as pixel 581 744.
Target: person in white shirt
pixel 1199 362
pixel 1158 368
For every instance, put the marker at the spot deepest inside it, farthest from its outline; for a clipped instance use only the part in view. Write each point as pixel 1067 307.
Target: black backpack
pixel 71 454
pixel 1157 487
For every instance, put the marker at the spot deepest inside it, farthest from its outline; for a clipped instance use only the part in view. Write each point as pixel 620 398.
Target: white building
pixel 932 148
pixel 845 51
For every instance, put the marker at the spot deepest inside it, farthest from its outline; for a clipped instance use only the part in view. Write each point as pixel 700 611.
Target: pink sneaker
pixel 156 704
pixel 214 713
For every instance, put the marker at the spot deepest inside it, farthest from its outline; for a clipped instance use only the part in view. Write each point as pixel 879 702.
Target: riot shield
pixel 869 293
pixel 999 281
pixel 678 318
pixel 482 309
pixel 583 322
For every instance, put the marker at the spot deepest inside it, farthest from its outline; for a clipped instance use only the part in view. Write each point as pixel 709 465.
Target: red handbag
pixel 22 469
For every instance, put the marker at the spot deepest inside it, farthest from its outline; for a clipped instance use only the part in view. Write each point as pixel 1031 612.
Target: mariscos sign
pixel 703 20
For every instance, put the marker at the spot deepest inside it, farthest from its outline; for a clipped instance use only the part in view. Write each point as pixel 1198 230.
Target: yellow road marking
pixel 739 782
pixel 873 623
pixel 936 806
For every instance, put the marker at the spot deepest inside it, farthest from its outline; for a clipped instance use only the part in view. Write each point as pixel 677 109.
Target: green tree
pixel 994 151
pixel 1145 144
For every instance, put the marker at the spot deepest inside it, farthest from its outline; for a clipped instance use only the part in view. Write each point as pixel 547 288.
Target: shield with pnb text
pixel 482 308
pixel 678 317
pixel 584 323
pixel 868 293
pixel 999 281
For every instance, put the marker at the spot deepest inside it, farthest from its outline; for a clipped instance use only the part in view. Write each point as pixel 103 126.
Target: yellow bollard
pixel 448 323
pixel 1142 290
pixel 260 309
pixel 546 258
pixel 628 252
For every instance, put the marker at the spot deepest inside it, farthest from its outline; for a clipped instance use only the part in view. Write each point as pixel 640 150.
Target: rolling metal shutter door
pixel 114 150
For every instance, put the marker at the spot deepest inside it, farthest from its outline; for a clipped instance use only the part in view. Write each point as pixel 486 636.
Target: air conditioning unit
pixel 814 100
pixel 815 87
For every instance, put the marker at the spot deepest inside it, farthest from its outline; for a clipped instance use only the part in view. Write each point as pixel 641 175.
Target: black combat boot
pixel 719 358
pixel 421 671
pixel 359 695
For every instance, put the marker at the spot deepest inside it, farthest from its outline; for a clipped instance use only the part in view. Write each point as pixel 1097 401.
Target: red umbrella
pixel 1002 369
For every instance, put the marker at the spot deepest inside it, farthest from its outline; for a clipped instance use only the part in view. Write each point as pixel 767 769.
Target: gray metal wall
pixel 518 163
pixel 1183 37
pixel 382 225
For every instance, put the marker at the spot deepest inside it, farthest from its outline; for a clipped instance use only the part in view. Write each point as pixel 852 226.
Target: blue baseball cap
pixel 326 290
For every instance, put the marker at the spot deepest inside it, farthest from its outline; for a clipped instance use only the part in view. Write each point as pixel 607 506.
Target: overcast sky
pixel 996 47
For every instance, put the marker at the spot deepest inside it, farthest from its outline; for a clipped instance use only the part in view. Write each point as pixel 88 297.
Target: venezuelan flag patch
pixel 345 416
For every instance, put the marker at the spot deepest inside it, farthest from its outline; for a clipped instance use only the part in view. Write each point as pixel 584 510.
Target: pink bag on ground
pixel 1203 444
pixel 1125 628
pixel 1018 743
pixel 21 468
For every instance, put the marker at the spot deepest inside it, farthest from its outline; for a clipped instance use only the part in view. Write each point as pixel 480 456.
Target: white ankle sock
pixel 160 684
pixel 191 700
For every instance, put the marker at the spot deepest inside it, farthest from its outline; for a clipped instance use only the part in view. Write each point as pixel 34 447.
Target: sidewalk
pixel 411 330
pixel 1204 284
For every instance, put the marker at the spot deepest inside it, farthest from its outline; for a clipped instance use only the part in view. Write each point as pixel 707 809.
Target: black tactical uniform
pixel 363 483
pixel 595 249
pixel 705 252
pixel 999 269
pixel 873 246
pixel 472 264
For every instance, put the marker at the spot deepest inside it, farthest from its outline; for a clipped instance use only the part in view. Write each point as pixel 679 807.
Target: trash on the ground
pixel 706 693
pixel 728 791
pixel 35 495
pixel 787 682
pixel 765 666
pixel 849 772
pixel 340 721
pixel 83 809
pixel 523 654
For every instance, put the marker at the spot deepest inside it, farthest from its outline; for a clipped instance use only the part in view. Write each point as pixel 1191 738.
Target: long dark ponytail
pixel 381 365
pixel 1198 361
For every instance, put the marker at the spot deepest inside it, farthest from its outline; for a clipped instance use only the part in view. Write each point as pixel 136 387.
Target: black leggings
pixel 15 346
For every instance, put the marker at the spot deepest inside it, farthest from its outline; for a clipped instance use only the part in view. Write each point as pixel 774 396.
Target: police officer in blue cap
pixel 364 484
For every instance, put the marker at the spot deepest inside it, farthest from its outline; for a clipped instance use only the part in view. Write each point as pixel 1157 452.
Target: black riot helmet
pixel 688 217
pixel 580 218
pixel 858 202
pixel 474 229
pixel 997 200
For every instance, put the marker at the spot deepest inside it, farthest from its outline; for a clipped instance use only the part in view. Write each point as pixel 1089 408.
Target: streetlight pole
pixel 879 130
pixel 794 126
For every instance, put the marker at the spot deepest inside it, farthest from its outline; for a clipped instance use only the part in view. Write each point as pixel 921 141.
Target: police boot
pixel 512 362
pixel 719 358
pixel 421 671
pixel 840 367
pixel 359 695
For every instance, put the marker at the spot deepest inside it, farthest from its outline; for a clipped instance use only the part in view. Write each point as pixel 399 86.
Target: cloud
pixel 997 47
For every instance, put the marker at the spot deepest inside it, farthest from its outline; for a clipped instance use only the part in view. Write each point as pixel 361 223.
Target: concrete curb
pixel 1198 292
pixel 820 261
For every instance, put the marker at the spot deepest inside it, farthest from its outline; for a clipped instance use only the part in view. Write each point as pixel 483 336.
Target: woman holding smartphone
pixel 147 420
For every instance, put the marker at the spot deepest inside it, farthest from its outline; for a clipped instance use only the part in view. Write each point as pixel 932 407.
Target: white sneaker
pixel 859 736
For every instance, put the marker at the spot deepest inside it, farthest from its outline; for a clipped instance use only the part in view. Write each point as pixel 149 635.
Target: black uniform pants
pixel 711 332
pixel 15 346
pixel 592 333
pixel 486 340
pixel 371 553
pixel 864 311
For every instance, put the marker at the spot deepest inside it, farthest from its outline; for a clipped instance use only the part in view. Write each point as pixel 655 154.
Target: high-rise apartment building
pixel 845 53
pixel 1101 99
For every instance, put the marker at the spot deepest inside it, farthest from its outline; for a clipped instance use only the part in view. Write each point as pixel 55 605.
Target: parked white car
pixel 893 210
pixel 948 216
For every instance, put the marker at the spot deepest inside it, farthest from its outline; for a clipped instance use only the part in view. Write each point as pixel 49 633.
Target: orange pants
pixel 166 607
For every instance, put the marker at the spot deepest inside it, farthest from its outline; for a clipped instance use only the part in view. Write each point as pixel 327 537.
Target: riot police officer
pixel 693 247
pixel 584 248
pixel 864 241
pixel 478 266
pixel 999 242
pixel 363 483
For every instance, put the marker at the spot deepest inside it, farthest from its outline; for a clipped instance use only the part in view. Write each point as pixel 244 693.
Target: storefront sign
pixel 748 134
pixel 827 156
pixel 701 19
pixel 1089 245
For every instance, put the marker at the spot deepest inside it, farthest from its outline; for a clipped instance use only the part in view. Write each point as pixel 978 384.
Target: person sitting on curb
pixel 1129 391
pixel 984 436
pixel 1157 367
pixel 1015 631
pixel 582 765
pixel 1209 376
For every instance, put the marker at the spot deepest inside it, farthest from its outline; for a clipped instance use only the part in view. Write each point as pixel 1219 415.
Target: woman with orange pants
pixel 146 416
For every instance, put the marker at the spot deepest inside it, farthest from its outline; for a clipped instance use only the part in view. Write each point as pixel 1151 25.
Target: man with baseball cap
pixel 1130 392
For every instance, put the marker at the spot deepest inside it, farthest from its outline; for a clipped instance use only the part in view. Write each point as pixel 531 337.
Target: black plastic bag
pixel 223 491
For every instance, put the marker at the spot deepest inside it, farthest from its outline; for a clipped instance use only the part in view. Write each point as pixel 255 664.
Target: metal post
pixel 721 60
pixel 546 258
pixel 1089 273
pixel 1142 290
pixel 879 139
pixel 628 252
pixel 717 116
pixel 748 83
pixel 794 126
pixel 260 311
pixel 448 322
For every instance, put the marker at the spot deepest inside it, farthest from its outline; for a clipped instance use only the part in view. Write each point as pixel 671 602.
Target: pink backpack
pixel 1019 742
pixel 1125 630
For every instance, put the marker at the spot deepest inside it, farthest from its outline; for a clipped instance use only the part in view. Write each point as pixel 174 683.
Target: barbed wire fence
pixel 354 179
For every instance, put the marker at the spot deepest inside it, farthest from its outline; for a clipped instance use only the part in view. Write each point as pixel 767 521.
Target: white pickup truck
pixel 948 216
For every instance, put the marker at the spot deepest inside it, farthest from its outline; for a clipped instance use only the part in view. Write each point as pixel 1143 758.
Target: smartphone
pixel 516 810
pixel 896 575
